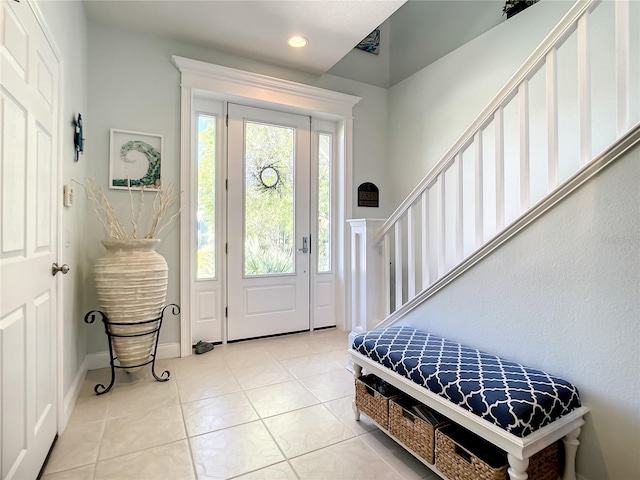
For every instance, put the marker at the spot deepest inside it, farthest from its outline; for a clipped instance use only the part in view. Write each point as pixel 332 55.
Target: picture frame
pixel 371 44
pixel 135 159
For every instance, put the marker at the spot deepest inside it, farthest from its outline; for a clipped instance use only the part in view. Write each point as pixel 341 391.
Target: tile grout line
pixel 186 432
pixel 286 459
pixel 104 429
pixel 381 458
pixel 298 381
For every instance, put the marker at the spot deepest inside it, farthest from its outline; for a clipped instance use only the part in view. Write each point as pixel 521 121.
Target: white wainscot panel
pixel 206 323
pixel 43 193
pixel 324 294
pixel 15 42
pixel 14 135
pixel 13 375
pixel 207 306
pixel 324 312
pixel 273 299
pixel 45 81
pixel 44 360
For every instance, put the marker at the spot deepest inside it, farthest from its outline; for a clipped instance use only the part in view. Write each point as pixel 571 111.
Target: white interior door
pixel 268 222
pixel 28 247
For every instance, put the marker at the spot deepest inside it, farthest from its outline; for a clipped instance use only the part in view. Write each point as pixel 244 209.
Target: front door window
pixel 269 199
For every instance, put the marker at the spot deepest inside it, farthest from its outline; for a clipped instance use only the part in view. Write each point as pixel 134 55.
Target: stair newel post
pixel 366 295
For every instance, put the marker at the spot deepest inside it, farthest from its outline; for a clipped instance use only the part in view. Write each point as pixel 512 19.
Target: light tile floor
pixel 277 408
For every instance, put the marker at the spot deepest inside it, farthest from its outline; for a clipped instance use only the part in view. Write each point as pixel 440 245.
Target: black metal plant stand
pixel 90 318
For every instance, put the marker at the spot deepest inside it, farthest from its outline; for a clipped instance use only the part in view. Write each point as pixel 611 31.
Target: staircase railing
pixel 483 191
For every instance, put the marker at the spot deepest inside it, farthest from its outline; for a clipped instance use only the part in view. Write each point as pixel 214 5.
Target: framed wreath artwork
pixel 135 160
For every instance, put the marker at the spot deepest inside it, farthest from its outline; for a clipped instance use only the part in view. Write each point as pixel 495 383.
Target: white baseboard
pixel 72 396
pixel 97 360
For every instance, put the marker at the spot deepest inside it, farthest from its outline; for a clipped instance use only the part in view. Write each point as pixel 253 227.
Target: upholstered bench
pixel 519 409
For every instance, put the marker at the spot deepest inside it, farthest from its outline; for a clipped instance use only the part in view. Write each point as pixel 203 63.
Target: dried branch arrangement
pixel 163 202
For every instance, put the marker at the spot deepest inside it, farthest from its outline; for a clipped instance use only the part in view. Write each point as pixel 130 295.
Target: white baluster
pixel 525 182
pixel 411 253
pixel 459 209
pixel 584 89
pixel 387 274
pixel 479 199
pixel 622 19
pixel 398 260
pixel 498 121
pixel 552 118
pixel 426 250
pixel 441 245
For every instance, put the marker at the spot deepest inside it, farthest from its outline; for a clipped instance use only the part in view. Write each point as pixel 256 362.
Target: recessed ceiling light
pixel 298 41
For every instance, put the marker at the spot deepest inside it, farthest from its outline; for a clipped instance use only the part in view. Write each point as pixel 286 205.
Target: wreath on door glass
pixel 268 178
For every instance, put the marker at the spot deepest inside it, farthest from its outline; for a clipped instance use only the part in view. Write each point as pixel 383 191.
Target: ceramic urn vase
pixel 131 282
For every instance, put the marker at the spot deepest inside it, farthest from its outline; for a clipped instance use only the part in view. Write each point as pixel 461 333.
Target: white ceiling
pixel 254 29
pixel 414 33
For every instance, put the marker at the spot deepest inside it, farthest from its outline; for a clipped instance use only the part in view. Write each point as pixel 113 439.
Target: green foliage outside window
pixel 324 202
pixel 269 207
pixel 269 199
pixel 206 213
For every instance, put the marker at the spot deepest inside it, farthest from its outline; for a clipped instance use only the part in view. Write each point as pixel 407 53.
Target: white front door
pixel 28 199
pixel 268 222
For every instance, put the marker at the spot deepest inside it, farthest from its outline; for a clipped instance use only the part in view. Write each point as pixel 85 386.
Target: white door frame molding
pixel 55 98
pixel 260 90
pixel 64 407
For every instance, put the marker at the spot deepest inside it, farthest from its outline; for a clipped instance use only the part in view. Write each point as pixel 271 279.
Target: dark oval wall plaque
pixel 368 195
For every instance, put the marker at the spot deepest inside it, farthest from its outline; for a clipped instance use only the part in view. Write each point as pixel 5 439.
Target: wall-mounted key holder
pixel 368 195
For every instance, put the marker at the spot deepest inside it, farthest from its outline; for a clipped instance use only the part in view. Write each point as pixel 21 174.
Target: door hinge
pixel 227 120
pixel 226 184
pixel 226 248
pixel 226 312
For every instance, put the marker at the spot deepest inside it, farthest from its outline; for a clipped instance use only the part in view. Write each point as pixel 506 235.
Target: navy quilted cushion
pixel 519 399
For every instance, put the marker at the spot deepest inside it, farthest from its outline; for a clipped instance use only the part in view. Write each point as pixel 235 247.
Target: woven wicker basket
pixel 462 455
pixel 545 465
pixel 412 431
pixel 371 402
pixel 459 462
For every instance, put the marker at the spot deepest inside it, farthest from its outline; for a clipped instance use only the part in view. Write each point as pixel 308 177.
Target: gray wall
pixel 563 294
pixel 423 31
pixel 72 45
pixel 431 109
pixel 134 86
pixel 367 67
pixel 568 284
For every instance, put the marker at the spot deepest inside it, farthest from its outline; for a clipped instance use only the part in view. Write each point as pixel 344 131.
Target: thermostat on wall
pixel 68 195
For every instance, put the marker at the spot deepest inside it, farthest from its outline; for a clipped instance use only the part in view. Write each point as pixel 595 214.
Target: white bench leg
pixel 357 373
pixel 356 412
pixel 571 443
pixel 517 468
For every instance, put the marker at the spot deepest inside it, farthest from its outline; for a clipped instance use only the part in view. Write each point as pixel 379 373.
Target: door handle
pixel 305 245
pixel 64 268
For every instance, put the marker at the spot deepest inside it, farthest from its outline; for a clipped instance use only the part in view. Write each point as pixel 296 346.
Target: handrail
pixel 458 213
pixel 624 144
pixel 528 68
